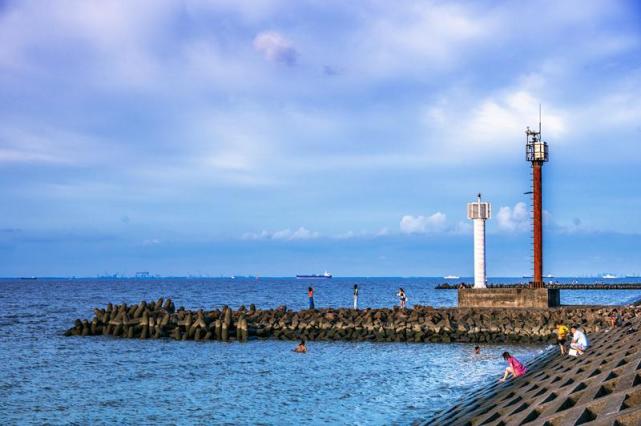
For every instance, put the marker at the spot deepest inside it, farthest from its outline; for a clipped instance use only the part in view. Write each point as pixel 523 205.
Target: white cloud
pixel 347 235
pixel 275 47
pixel 423 224
pixel 515 219
pixel 256 235
pixel 362 234
pixel 301 233
pixel 382 232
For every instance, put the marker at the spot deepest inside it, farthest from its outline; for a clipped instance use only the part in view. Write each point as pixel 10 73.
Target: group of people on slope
pixel 402 297
pixel 579 342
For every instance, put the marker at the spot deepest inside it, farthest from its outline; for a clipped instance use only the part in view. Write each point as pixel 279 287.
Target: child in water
pixel 301 348
pixel 515 368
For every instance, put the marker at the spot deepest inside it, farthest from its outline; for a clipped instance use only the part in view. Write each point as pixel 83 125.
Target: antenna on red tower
pixel 540 122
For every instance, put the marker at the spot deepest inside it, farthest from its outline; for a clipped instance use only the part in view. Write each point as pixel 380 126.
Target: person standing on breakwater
pixel 579 340
pixel 355 296
pixel 301 348
pixel 402 297
pixel 310 295
pixel 515 368
pixel 561 336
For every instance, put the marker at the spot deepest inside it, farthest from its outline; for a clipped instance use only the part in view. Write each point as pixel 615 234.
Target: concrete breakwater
pixel 161 319
pixel 577 286
pixel 601 387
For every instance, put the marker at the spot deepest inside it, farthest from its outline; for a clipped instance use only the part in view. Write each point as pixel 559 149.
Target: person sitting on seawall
pixel 301 348
pixel 515 368
pixel 579 340
pixel 402 296
pixel 561 336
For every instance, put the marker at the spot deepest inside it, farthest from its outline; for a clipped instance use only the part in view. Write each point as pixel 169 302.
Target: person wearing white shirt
pixel 579 340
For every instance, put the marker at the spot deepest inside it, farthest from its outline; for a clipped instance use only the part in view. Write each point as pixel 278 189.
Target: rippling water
pixel 48 378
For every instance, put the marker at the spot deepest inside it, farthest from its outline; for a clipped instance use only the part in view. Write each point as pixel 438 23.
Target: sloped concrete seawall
pixel 601 387
pixel 161 319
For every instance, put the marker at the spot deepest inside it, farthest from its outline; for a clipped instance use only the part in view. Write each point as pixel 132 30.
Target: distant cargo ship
pixel 324 276
pixel 451 277
pixel 608 276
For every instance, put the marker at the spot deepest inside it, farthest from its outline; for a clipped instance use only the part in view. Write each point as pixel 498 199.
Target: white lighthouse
pixel 479 212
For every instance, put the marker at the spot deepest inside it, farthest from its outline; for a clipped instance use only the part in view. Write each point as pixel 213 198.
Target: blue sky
pixel 281 137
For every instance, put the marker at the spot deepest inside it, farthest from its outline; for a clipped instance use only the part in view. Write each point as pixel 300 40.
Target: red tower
pixel 536 152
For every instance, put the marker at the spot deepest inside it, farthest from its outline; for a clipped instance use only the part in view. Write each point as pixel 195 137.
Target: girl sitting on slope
pixel 515 368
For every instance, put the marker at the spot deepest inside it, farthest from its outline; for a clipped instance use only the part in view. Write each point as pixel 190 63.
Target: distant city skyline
pixel 273 138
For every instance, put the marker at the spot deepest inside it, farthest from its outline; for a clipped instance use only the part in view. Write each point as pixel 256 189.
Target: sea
pixel 51 379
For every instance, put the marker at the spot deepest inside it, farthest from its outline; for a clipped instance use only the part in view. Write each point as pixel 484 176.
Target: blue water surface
pixel 49 378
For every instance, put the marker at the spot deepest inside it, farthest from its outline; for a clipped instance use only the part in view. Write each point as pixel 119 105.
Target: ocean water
pixel 49 378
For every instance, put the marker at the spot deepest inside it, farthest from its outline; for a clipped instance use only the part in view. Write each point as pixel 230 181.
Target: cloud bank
pixel 423 224
pixel 202 120
pixel 301 233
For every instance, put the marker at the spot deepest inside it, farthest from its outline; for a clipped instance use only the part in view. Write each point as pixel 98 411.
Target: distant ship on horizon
pixel 324 276
pixel 451 277
pixel 609 276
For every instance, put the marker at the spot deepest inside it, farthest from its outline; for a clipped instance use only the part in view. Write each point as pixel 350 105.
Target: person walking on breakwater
pixel 579 340
pixel 355 296
pixel 561 336
pixel 310 295
pixel 402 297
pixel 515 368
pixel 301 348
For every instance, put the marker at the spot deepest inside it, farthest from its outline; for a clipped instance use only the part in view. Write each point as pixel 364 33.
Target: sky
pixel 273 137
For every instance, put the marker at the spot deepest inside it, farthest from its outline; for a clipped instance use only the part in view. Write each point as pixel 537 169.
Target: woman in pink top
pixel 515 368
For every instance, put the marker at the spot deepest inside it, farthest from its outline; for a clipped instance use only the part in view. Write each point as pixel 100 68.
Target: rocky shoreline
pixel 161 319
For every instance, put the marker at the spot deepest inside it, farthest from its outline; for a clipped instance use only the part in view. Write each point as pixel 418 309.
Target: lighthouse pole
pixel 536 152
pixel 479 212
pixel 479 253
pixel 537 223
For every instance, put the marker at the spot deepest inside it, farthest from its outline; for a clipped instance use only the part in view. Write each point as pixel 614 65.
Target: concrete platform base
pixel 508 297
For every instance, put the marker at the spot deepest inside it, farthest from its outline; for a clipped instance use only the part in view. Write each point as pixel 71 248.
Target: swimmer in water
pixel 301 348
